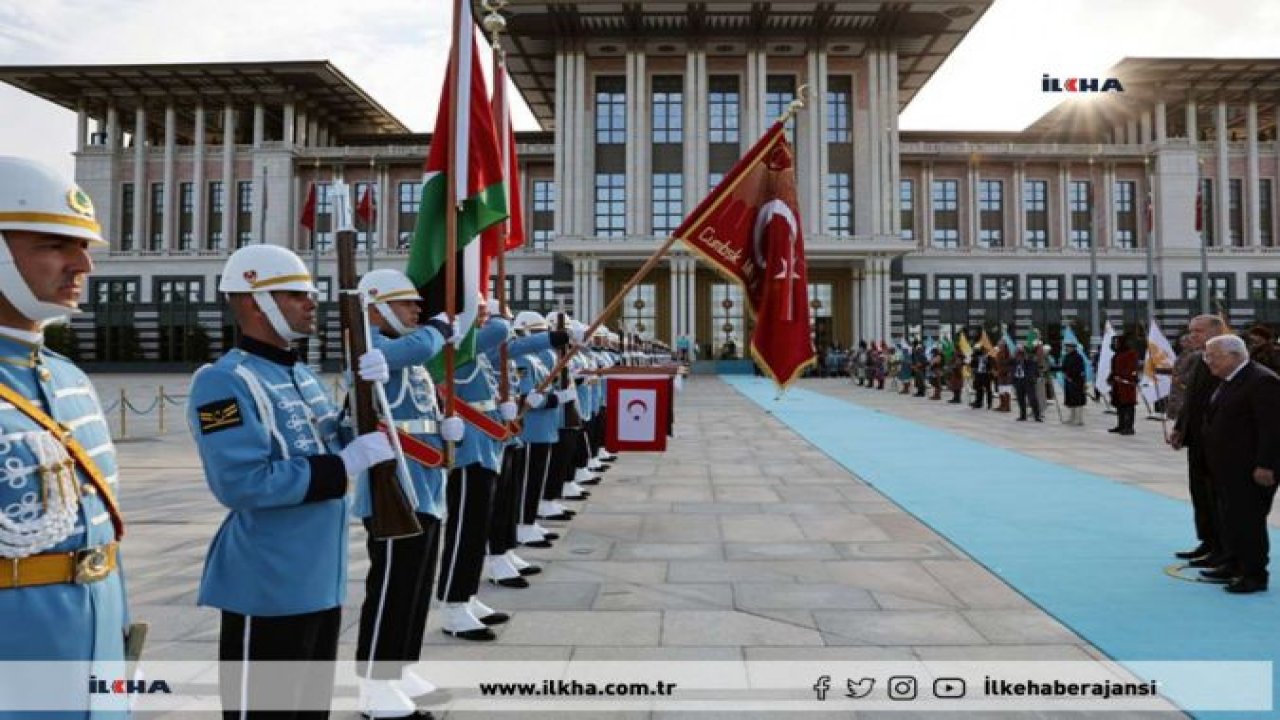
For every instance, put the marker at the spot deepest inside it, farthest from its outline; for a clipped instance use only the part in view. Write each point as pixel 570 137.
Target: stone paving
pixel 741 542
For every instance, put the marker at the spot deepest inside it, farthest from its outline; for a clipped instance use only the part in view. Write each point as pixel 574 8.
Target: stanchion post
pixel 124 418
pixel 160 404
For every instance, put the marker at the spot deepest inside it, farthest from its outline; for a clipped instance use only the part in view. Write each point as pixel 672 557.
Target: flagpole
pixel 657 256
pixel 1094 326
pixel 371 223
pixel 451 211
pixel 1204 248
pixel 495 24
pixel 1151 236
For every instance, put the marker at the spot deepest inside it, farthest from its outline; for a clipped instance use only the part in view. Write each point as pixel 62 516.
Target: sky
pixel 395 50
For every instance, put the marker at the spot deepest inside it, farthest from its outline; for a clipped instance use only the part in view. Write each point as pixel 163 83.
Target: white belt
pixel 484 405
pixel 417 427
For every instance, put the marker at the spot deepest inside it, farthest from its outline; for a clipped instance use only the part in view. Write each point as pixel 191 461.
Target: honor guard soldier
pixel 529 466
pixel 61 590
pixel 402 571
pixel 562 453
pixel 469 491
pixel 275 456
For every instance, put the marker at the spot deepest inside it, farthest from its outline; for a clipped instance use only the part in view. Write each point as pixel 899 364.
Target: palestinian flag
pixel 464 133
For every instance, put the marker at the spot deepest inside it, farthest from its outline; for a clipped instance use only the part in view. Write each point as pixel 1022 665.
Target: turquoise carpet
pixel 1088 550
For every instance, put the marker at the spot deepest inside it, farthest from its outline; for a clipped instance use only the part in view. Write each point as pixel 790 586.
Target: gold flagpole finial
pixel 494 22
pixel 800 103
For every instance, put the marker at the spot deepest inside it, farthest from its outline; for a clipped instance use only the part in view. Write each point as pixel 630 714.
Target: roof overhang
pixel 924 32
pixel 314 84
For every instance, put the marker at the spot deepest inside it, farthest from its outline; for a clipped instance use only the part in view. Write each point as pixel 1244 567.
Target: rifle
pixel 572 418
pixel 393 514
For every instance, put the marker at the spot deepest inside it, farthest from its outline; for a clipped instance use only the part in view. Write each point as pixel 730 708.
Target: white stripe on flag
pixel 462 98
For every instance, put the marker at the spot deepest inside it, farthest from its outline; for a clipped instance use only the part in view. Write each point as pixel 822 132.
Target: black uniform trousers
pixel 507 501
pixel 1244 508
pixel 397 594
pixel 1026 392
pixel 598 429
pixel 982 390
pixel 562 457
pixel 1203 503
pixel 468 494
pixel 536 468
pixel 253 680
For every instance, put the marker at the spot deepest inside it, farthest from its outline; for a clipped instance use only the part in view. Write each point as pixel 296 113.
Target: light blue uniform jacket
pixel 269 447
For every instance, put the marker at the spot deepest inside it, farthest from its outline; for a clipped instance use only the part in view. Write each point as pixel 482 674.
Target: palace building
pixel 644 107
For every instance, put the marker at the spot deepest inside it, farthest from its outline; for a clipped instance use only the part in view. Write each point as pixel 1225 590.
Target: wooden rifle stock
pixel 572 418
pixel 393 515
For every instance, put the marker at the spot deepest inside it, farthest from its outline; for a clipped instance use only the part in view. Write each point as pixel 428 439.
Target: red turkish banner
pixel 749 229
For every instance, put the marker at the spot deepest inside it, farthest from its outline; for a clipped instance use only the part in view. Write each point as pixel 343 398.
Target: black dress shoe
pixel 562 517
pixel 1022 419
pixel 1039 419
pixel 550 536
pixel 537 544
pixel 583 496
pixel 1200 551
pixel 1206 561
pixel 592 481
pixel 1246 585
pixel 1220 575
pixel 530 570
pixel 1126 431
pixel 1115 430
pixel 415 715
pixel 478 635
pixel 518 583
pixel 495 618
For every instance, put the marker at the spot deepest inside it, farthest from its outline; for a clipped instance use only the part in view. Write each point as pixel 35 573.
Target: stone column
pixel 82 126
pixel 1018 225
pixel 1064 206
pixel 1253 214
pixel 141 190
pixel 113 129
pixel 971 202
pixel 170 195
pixel 857 319
pixel 1144 125
pixel 1105 221
pixel 1162 130
pixel 752 90
pixel 198 222
pixel 228 176
pixel 1193 132
pixel 1222 185
pixel 259 124
pixel 824 158
pixel 810 141
pixel 925 198
pixel 289 124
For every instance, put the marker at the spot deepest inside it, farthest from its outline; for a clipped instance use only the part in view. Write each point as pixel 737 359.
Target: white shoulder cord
pixel 265 411
pixel 34 531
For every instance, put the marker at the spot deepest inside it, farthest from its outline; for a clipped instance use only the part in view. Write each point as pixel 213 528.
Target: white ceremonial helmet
pixel 261 270
pixel 380 287
pixel 528 320
pixel 35 198
pixel 553 319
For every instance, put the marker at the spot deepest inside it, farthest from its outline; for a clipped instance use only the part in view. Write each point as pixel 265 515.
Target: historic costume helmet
pixel 262 270
pixel 35 198
pixel 380 287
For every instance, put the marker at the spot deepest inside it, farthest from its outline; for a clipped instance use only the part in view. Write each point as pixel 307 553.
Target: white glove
pixel 567 396
pixel 535 400
pixel 456 338
pixel 366 451
pixel 509 410
pixel 373 367
pixel 452 429
pixel 577 332
pixel 494 308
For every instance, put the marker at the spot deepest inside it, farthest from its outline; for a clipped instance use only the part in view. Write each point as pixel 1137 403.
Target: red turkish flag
pixel 749 229
pixel 366 210
pixel 308 219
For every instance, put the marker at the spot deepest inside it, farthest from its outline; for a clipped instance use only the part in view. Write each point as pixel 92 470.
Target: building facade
pixel 644 108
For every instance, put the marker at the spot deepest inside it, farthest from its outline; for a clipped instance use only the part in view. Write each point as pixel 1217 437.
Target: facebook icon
pixel 822 686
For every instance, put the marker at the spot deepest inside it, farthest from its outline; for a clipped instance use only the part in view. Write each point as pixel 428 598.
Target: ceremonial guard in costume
pixel 565 452
pixel 469 491
pixel 502 565
pixel 402 571
pixel 276 457
pixel 540 428
pixel 62 594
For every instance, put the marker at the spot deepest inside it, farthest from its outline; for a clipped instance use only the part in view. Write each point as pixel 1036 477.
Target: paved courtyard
pixel 742 542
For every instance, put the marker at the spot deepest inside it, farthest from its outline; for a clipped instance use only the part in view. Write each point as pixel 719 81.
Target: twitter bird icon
pixel 860 688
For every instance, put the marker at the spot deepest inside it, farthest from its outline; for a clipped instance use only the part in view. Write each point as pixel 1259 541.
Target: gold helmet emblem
pixel 79 201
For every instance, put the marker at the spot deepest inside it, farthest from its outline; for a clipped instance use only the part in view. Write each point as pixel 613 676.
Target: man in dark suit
pixel 1242 445
pixel 1186 433
pixel 1026 373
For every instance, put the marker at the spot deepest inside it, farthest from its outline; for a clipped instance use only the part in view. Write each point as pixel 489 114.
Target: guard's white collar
pixel 25 337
